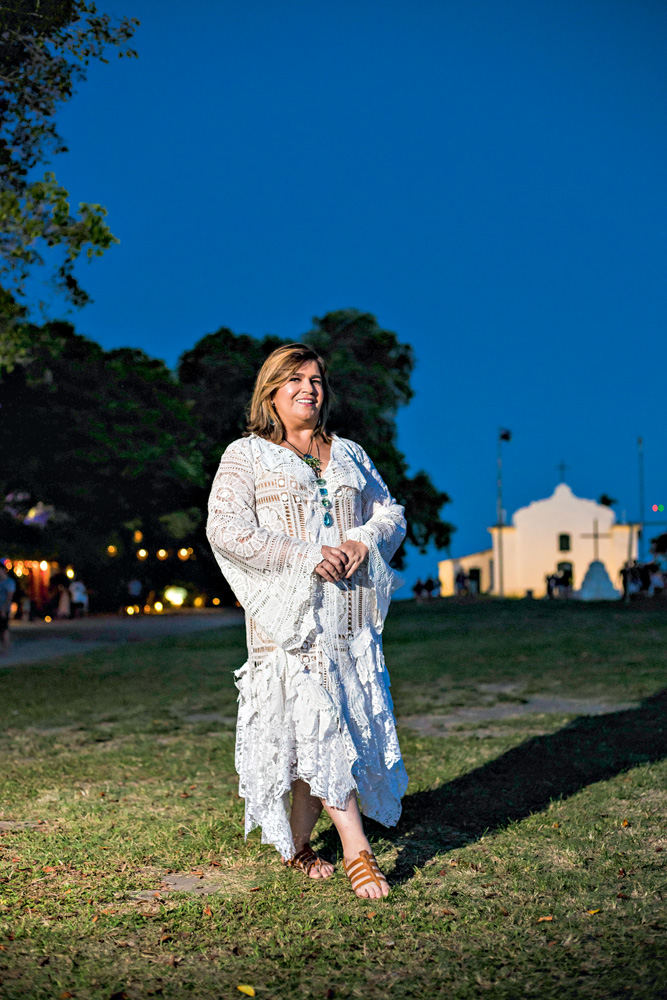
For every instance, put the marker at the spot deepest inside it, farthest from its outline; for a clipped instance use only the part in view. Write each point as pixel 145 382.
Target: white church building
pixel 546 537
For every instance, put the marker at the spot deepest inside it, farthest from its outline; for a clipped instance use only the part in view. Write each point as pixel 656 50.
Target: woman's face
pixel 299 400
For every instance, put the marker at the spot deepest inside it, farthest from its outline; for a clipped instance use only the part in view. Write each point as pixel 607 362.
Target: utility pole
pixel 642 540
pixel 503 435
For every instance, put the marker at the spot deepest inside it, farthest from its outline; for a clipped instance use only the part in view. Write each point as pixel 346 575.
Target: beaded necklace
pixel 316 465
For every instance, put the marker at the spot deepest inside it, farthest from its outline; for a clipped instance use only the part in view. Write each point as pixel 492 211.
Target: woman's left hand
pixel 356 552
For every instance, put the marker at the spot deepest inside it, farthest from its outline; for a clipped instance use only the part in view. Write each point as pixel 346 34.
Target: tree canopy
pixel 45 47
pixel 101 439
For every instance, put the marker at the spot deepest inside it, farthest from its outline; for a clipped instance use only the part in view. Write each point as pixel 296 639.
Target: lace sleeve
pixel 383 519
pixel 232 527
pixel 270 572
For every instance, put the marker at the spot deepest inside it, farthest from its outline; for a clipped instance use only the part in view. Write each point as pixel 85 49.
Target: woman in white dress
pixel 303 528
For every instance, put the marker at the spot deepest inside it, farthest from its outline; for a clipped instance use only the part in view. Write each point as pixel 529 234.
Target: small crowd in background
pixel 559 584
pixel 426 590
pixel 647 579
pixel 466 584
pixel 67 599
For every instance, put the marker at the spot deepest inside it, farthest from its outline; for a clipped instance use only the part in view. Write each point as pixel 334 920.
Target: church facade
pixel 563 532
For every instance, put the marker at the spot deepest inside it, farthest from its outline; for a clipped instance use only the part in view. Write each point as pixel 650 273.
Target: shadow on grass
pixel 525 780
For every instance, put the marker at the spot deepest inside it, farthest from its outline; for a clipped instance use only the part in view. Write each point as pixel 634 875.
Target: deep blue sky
pixel 487 176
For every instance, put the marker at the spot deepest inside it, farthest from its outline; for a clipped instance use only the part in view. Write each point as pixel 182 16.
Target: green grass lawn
pixel 528 862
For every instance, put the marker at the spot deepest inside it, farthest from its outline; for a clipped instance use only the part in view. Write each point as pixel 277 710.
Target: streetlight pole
pixel 503 435
pixel 642 540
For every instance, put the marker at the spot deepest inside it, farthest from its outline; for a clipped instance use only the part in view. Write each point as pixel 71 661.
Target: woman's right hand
pixel 334 564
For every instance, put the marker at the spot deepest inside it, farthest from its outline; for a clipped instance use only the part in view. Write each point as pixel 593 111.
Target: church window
pixel 564 543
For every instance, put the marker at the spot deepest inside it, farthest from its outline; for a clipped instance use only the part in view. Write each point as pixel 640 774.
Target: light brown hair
pixel 280 365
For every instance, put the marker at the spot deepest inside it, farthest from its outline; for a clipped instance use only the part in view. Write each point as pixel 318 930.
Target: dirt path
pixel 33 642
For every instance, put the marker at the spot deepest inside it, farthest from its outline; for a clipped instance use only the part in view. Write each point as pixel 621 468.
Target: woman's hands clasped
pixel 341 561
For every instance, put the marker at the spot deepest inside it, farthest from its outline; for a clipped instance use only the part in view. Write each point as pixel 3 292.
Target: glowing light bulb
pixel 43 565
pixel 216 601
pixel 176 595
pixel 112 550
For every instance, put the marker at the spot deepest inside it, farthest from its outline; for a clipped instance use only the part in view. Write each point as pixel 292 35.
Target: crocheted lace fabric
pixel 314 700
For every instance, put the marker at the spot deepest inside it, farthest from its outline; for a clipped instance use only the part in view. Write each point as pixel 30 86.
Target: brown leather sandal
pixel 305 860
pixel 362 871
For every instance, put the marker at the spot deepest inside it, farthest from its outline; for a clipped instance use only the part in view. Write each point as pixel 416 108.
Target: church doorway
pixel 474 580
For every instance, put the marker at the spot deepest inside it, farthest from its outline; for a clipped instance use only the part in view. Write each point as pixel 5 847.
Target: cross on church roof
pixel 561 470
pixel 595 536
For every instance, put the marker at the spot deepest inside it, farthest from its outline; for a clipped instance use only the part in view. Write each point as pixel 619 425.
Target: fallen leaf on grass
pixel 541 920
pixel 208 911
pixel 95 918
pixel 256 888
pixel 215 864
pixel 49 868
pixel 244 988
pixel 369 916
pixel 447 913
pixel 592 912
pixel 65 995
pixel 621 895
pixel 550 943
pixel 625 823
pixel 198 874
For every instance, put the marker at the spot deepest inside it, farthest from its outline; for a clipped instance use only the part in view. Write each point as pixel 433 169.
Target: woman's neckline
pixel 293 454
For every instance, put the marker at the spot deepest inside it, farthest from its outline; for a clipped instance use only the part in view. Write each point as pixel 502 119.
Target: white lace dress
pixel 314 699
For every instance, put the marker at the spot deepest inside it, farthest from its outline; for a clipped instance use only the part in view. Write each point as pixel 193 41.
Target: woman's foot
pixel 365 877
pixel 306 861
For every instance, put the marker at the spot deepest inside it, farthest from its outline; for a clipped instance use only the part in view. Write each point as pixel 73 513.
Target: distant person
pixel 134 589
pixel 79 598
pixel 550 581
pixel 429 587
pixel 657 582
pixel 418 591
pixel 7 588
pixel 64 605
pixel 461 584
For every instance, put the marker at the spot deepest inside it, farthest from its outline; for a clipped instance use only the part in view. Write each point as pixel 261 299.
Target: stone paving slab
pixel 444 725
